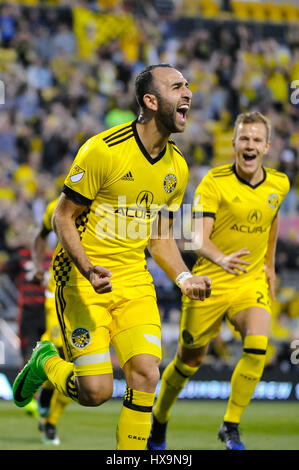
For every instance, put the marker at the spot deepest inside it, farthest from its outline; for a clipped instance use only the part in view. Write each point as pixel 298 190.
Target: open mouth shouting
pixel 248 157
pixel 182 112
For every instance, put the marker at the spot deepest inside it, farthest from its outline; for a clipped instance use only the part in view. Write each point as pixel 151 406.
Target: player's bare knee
pixel 196 361
pixel 142 372
pixel 145 379
pixel 95 392
pixel 94 397
pixel 192 357
pixel 143 375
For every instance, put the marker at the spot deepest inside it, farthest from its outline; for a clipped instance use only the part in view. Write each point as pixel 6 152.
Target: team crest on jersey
pixel 80 338
pixel 169 183
pixel 77 174
pixel 273 200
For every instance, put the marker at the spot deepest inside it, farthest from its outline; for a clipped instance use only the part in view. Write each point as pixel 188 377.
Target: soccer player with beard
pixel 237 205
pixel 122 181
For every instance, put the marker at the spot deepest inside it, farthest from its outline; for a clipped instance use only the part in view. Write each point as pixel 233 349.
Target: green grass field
pixel 194 425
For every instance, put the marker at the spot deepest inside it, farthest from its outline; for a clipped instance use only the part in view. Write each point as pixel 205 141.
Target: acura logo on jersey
pixel 169 183
pixel 145 199
pixel 247 229
pixel 254 216
pixel 273 200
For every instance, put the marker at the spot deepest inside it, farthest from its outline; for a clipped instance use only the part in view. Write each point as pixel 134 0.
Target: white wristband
pixel 182 277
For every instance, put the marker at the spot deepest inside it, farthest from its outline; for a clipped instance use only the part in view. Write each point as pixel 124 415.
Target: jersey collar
pixel 143 149
pixel 253 186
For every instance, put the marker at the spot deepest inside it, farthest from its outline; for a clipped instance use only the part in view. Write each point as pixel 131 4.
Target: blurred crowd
pixel 67 72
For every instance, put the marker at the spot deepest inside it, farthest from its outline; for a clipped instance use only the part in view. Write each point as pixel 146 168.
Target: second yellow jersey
pixel 47 225
pixel 124 190
pixel 242 214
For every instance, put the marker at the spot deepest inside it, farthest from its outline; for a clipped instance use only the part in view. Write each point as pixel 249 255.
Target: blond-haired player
pixel 120 183
pixel 237 205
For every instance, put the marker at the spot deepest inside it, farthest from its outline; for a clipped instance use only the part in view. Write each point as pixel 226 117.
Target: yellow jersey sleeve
pixel 285 184
pixel 47 219
pixel 207 198
pixel 90 170
pixel 176 200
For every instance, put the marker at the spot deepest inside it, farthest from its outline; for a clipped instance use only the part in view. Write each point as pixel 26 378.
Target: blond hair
pixel 253 117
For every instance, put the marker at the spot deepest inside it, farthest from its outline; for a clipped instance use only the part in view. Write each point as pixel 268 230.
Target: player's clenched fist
pixel 99 278
pixel 197 287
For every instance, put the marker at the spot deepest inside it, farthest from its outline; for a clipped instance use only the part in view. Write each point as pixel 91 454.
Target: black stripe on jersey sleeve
pixel 116 133
pixel 276 172
pixel 198 215
pixel 222 175
pixel 117 136
pixel 111 144
pixel 176 148
pixel 218 171
pixel 77 198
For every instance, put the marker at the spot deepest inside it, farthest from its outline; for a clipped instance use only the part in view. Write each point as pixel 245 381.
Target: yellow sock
pixel 174 378
pixel 58 404
pixel 134 422
pixel 60 373
pixel 246 376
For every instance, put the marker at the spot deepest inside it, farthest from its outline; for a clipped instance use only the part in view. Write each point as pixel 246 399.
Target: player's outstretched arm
pixel 63 222
pixel 167 255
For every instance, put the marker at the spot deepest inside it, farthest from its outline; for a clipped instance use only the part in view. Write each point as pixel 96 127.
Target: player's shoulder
pixel 222 171
pixel 177 154
pixel 109 137
pixel 273 173
pixel 116 134
pixel 175 148
pixel 278 176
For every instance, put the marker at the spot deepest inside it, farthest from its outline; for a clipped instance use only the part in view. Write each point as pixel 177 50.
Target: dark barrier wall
pixel 207 384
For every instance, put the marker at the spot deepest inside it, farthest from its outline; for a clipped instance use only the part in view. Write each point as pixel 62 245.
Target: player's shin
pixel 246 376
pixel 134 422
pixel 174 378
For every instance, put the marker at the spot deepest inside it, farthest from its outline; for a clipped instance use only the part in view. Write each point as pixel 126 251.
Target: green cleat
pixel 32 376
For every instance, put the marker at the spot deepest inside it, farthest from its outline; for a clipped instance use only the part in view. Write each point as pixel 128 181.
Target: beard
pixel 166 115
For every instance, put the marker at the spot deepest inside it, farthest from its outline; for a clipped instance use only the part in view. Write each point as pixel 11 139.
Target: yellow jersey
pixel 124 190
pixel 47 219
pixel 47 228
pixel 242 214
